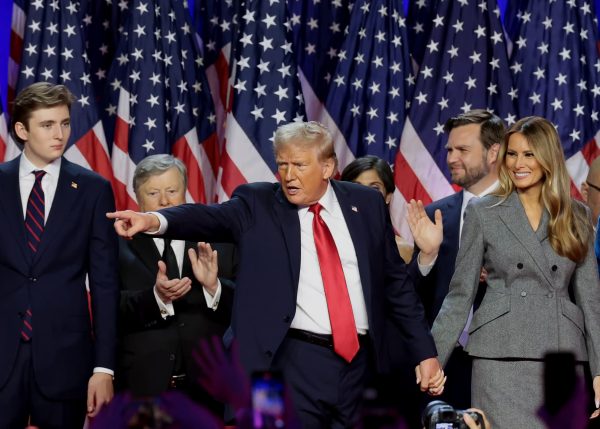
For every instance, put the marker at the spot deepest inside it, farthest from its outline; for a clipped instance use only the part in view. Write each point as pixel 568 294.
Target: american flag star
pixel 160 99
pixel 562 83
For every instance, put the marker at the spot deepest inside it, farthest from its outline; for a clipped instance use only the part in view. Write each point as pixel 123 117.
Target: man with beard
pixel 473 143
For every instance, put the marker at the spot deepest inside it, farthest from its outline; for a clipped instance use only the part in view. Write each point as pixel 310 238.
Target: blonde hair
pixel 569 228
pixel 307 134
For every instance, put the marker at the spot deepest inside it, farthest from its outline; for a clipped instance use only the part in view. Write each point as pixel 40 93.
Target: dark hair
pixel 492 127
pixel 39 95
pixel 370 162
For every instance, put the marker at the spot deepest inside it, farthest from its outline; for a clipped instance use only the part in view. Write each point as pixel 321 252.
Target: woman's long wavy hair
pixel 569 228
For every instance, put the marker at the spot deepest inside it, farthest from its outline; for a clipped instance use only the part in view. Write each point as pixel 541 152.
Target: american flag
pixel 420 22
pixel 266 94
pixel 216 23
pixel 465 66
pixel 556 72
pixel 369 89
pixel 160 98
pixel 53 51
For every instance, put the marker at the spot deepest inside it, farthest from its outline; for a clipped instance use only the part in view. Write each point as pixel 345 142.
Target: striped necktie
pixel 34 228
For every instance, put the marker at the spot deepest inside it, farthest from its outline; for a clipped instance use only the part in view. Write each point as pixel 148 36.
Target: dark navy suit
pixel 266 228
pixel 78 240
pixel 151 348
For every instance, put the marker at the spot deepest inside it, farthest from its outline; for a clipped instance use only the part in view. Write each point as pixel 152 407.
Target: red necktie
pixel 34 228
pixel 343 327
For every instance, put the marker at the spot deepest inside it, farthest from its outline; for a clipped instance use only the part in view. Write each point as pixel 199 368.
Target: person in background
pixel 170 293
pixel 474 139
pixel 590 189
pixel 374 172
pixel 543 293
pixel 319 273
pixel 56 363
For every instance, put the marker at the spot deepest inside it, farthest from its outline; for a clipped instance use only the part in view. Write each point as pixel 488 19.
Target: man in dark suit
pixel 302 242
pixel 473 143
pixel 170 295
pixel 56 351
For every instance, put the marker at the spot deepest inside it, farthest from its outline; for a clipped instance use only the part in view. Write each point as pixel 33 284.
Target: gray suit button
pixel 172 356
pixel 550 295
pixel 523 293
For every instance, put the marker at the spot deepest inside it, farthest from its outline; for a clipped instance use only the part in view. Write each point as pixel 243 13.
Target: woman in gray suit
pixel 543 292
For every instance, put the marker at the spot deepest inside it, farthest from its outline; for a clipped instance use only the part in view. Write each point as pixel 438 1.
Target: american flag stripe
pixel 122 164
pixel 16 47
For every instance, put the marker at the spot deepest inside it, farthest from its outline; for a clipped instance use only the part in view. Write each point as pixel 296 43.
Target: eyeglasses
pixel 597 188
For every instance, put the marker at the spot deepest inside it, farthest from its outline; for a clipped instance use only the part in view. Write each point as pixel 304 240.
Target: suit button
pixel 523 293
pixel 550 295
pixel 269 353
pixel 520 266
pixel 287 319
pixel 182 324
pixel 554 268
pixel 172 356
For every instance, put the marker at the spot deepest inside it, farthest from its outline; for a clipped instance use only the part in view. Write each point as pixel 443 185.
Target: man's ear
pixel 328 168
pixel 492 154
pixel 584 192
pixel 21 131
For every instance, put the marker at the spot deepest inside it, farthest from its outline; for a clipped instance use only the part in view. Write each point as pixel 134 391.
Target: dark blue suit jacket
pixel 78 240
pixel 266 228
pixel 434 287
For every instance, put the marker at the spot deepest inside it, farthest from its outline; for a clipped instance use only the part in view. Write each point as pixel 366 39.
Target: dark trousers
pixel 325 390
pixel 21 400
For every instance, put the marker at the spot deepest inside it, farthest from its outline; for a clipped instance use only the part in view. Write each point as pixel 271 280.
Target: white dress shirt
pixel 311 306
pixel 178 246
pixel 49 184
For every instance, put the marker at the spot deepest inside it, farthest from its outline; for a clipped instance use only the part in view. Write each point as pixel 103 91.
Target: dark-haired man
pixel 474 140
pixel 56 363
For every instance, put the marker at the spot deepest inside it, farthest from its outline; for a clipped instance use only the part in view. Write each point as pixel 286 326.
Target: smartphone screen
pixel 267 400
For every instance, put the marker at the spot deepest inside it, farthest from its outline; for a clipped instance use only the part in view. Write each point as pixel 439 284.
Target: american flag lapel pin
pixel 73 185
pixel 354 209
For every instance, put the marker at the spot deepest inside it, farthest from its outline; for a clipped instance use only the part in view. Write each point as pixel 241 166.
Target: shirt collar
pixel 468 195
pixel 26 167
pixel 327 201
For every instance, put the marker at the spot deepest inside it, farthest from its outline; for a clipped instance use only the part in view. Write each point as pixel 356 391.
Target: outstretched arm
pixel 128 223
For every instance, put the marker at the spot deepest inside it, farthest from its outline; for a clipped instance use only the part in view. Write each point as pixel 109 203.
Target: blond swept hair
pixel 570 228
pixel 307 134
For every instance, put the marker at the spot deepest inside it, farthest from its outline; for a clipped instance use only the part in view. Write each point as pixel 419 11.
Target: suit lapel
pixel 12 206
pixel 353 215
pixel 62 210
pixel 289 223
pixel 451 221
pixel 512 214
pixel 143 246
pixel 186 268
